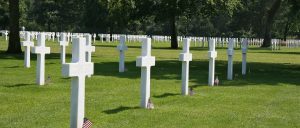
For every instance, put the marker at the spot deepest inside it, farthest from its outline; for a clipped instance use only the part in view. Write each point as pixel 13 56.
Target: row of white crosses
pixel 40 50
pixel 292 43
pixel 27 44
pixel 230 53
pixel 275 44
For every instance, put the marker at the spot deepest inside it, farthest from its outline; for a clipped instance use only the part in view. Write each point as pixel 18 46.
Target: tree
pixel 4 14
pixel 269 23
pixel 14 45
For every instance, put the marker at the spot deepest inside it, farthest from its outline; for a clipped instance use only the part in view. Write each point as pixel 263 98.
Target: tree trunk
pixel 286 29
pixel 174 42
pixel 49 26
pixel 269 23
pixel 14 45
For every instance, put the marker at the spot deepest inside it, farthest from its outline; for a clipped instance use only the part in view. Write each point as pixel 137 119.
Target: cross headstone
pixel 185 57
pixel 212 54
pixel 78 69
pixel 63 43
pixel 244 55
pixel 230 53
pixel 122 48
pixel 58 36
pixel 40 50
pixel 89 48
pixel 27 44
pixel 145 61
pixel 6 35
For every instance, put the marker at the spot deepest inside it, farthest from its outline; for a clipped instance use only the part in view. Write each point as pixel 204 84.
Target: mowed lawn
pixel 268 96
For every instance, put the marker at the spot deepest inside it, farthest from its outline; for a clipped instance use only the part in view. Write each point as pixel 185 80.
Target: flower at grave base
pixel 236 75
pixel 191 91
pixel 48 79
pixel 217 81
pixel 150 105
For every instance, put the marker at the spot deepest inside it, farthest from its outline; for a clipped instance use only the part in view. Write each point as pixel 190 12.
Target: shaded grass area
pixel 268 96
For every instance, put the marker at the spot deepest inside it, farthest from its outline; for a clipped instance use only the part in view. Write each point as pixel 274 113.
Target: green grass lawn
pixel 269 96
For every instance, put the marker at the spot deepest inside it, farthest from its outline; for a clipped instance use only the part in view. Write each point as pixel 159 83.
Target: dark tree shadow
pixel 17 85
pixel 153 47
pixel 166 95
pixel 119 109
pixel 33 57
pixel 13 67
pixel 271 52
pixel 257 73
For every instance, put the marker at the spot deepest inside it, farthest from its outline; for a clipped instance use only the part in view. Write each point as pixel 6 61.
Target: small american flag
pixel 86 123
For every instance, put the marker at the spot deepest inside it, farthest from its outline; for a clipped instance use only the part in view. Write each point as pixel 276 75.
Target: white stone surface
pixel 6 35
pixel 122 48
pixel 230 53
pixel 145 61
pixel 40 50
pixel 89 48
pixel 78 69
pixel 27 44
pixel 212 54
pixel 63 43
pixel 185 57
pixel 244 56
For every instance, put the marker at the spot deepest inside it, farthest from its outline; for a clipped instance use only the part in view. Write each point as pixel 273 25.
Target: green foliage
pixel 238 18
pixel 4 14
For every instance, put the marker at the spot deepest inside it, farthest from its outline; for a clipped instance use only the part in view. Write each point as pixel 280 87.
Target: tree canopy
pixel 230 18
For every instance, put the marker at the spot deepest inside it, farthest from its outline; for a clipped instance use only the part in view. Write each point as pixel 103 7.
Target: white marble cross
pixel 212 54
pixel 40 50
pixel 27 44
pixel 185 57
pixel 230 53
pixel 244 55
pixel 122 48
pixel 58 36
pixel 89 48
pixel 6 35
pixel 63 43
pixel 145 61
pixel 78 69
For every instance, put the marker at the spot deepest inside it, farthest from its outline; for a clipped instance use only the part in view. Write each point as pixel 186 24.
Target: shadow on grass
pixel 17 85
pixel 13 67
pixel 257 73
pixel 119 109
pixel 166 95
pixel 293 53
pixel 33 57
pixel 153 47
